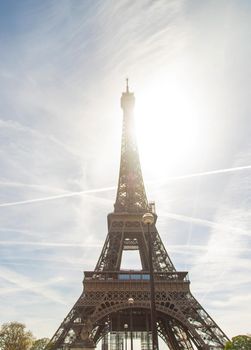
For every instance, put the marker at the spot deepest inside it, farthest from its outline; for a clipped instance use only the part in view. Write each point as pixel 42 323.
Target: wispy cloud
pixel 24 283
pixel 226 260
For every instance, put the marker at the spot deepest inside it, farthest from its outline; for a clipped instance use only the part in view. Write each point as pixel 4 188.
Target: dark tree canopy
pixel 14 336
pixel 240 342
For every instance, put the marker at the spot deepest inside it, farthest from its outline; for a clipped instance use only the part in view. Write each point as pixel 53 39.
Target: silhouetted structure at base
pixel 115 304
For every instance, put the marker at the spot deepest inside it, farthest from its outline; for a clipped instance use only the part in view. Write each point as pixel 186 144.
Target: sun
pixel 167 127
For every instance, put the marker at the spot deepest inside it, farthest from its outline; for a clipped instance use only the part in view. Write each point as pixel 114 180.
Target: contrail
pixel 59 196
pixel 205 173
pixel 17 289
pixel 20 127
pixel 51 244
pixel 99 190
pixel 204 222
pixel 33 186
pixel 182 248
pixel 189 219
pixel 25 283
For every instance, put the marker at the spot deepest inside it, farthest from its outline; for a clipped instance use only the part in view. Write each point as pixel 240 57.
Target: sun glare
pixel 167 127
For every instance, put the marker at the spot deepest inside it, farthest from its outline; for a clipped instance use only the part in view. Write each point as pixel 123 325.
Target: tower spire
pixel 131 195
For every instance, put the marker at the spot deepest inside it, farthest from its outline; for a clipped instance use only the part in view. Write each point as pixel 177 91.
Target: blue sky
pixel 63 66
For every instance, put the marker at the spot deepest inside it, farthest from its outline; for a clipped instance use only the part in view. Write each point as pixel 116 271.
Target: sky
pixel 63 66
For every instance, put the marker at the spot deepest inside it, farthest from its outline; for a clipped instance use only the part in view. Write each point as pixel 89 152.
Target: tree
pixel 40 344
pixel 240 342
pixel 14 336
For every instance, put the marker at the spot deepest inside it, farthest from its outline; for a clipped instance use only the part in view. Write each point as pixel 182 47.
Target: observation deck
pixel 135 280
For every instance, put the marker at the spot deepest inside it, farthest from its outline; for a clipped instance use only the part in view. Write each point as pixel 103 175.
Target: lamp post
pixel 148 219
pixel 130 302
pixel 125 328
pixel 105 329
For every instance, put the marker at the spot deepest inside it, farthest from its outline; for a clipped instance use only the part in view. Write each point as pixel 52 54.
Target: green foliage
pixel 14 336
pixel 240 342
pixel 40 344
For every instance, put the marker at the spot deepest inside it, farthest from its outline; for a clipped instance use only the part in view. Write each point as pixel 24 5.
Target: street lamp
pixel 148 219
pixel 125 328
pixel 106 329
pixel 130 302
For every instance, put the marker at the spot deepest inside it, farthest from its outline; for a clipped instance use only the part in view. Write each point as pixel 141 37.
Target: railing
pixel 129 275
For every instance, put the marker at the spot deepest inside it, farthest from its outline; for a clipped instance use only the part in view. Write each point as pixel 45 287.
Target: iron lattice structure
pixel 103 307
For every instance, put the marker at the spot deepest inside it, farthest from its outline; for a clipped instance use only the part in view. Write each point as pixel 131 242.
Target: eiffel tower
pixel 137 306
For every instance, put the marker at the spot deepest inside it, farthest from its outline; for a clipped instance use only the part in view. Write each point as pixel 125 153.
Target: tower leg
pixel 174 335
pixel 83 345
pixel 82 348
pixel 172 340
